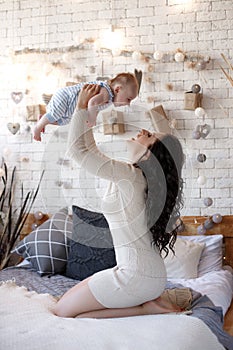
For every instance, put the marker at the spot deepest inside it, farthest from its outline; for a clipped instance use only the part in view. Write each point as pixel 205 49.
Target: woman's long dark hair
pixel 164 193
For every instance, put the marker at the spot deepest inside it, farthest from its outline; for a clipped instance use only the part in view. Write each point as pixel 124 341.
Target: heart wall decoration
pixel 13 127
pixel 17 97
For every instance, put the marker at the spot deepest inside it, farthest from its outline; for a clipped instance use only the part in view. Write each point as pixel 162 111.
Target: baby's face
pixel 124 94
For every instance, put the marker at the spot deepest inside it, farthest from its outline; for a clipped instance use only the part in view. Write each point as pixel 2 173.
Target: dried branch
pixel 227 61
pixel 13 223
pixel 227 75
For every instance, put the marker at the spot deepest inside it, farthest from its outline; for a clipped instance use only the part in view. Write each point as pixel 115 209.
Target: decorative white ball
pixel 208 224
pixel 201 157
pixel 217 218
pixel 196 88
pixel 179 57
pixel 206 58
pixel 196 135
pixel 200 65
pixel 34 226
pixel 208 201
pixel 38 215
pixel 201 180
pixel 136 55
pixel 158 55
pixel 199 112
pixel 201 230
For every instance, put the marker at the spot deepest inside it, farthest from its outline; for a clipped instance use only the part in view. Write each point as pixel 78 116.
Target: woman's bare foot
pixel 160 306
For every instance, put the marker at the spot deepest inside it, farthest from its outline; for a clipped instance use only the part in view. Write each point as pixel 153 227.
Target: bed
pixel 225 229
pixel 27 299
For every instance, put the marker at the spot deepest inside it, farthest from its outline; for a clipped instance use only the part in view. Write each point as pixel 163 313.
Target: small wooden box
pixel 192 100
pixel 34 111
pixel 113 122
pixel 160 120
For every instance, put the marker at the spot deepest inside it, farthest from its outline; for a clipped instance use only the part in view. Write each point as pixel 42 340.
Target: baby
pixel 120 90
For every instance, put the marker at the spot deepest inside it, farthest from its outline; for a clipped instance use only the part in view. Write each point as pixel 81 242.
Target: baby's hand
pixel 37 134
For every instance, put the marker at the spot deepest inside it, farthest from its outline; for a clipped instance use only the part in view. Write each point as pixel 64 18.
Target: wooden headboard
pixel 225 228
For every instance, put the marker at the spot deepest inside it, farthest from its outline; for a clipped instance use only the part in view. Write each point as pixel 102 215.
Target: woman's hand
pixel 87 92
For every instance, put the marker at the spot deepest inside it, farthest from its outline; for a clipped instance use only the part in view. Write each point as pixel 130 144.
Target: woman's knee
pixel 76 301
pixel 61 310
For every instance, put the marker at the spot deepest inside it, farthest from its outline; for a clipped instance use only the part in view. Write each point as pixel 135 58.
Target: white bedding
pixel 27 322
pixel 217 285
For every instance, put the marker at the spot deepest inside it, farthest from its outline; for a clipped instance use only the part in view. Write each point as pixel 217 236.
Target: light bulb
pixel 112 39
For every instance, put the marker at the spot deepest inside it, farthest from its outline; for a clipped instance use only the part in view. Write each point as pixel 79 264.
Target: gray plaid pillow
pixel 47 247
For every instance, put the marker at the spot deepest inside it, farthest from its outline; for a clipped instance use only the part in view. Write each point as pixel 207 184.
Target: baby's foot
pixel 37 134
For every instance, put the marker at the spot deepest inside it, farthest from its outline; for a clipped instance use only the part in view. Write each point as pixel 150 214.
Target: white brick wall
pixel 200 27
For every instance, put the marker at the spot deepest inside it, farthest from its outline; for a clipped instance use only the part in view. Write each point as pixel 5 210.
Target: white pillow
pixel 211 257
pixel 185 261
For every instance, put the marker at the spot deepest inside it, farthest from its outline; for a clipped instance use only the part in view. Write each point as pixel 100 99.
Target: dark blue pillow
pixel 91 248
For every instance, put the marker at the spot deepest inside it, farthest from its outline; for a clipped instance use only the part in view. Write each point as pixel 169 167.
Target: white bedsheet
pixel 27 322
pixel 217 285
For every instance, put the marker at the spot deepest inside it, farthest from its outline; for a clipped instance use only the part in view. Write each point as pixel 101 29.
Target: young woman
pixel 141 205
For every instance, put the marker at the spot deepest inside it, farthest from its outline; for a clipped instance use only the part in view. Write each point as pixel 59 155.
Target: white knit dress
pixel 140 274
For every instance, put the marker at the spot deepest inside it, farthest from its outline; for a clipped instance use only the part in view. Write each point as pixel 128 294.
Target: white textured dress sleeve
pixel 82 148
